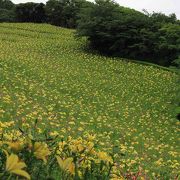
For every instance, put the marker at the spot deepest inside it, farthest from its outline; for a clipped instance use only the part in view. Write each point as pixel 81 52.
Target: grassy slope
pixel 45 75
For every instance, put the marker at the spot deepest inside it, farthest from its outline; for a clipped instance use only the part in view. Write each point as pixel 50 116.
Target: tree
pixel 162 18
pixel 168 48
pixel 30 12
pixel 6 4
pixel 53 11
pixel 7 13
pixel 124 32
pixel 63 12
pixel 114 30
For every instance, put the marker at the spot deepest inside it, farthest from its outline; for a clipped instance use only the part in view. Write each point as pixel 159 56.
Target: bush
pixel 119 31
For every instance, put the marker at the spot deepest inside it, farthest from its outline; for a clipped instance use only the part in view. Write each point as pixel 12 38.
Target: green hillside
pixel 46 76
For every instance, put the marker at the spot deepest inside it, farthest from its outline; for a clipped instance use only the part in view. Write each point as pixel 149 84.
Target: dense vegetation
pixel 57 102
pixel 57 12
pixel 111 29
pixel 119 31
pixel 64 13
pixel 30 12
pixel 7 9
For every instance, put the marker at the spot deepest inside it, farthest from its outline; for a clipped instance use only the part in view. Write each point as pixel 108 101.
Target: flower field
pixel 65 109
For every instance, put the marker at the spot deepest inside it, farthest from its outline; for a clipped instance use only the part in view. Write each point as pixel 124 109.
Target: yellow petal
pixel 7 154
pixel 67 163
pixel 20 165
pixel 68 160
pixel 15 145
pixel 60 162
pixel 72 168
pixel 21 173
pixel 12 160
pixel 37 145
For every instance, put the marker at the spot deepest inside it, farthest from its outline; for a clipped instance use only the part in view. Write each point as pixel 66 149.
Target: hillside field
pixel 46 76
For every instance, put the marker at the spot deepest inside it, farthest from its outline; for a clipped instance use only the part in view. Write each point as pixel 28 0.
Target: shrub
pixel 119 31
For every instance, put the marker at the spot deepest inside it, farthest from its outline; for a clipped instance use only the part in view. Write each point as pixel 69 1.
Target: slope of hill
pixel 45 75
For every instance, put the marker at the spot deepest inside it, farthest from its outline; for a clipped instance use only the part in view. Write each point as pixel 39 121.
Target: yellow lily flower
pixel 66 165
pixel 41 151
pixel 16 146
pixel 13 165
pixel 91 137
pixel 80 147
pixel 104 157
pixel 61 145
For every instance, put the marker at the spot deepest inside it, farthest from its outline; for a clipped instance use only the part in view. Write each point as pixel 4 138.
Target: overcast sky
pixel 165 6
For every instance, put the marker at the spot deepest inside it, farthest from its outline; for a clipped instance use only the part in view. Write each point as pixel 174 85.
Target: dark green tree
pixel 6 4
pixel 30 12
pixel 7 13
pixel 53 11
pixel 168 48
pixel 64 12
pixel 124 32
pixel 162 18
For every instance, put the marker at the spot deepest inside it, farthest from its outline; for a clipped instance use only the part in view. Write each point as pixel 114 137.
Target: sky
pixel 164 6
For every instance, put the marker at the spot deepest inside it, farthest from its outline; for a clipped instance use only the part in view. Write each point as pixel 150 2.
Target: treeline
pixel 118 31
pixel 7 11
pixel 57 12
pixel 110 28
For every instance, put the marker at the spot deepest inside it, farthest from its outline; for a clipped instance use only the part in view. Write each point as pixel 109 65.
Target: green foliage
pixel 54 12
pixel 64 12
pixel 162 18
pixel 177 62
pixel 6 4
pixel 7 15
pixel 119 31
pixel 30 12
pixel 168 47
pixel 7 11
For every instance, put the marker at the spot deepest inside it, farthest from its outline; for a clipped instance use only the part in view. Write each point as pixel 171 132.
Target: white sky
pixel 165 6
